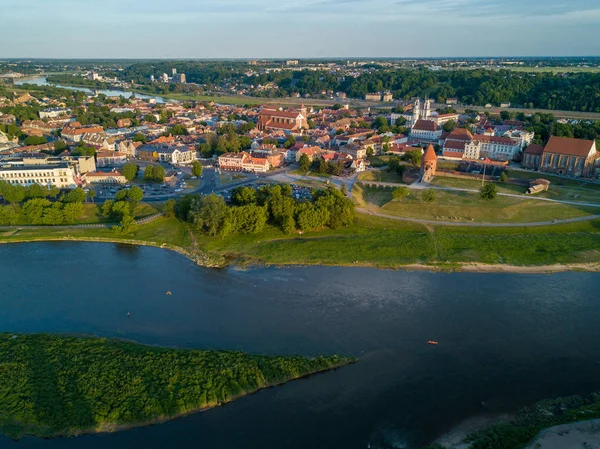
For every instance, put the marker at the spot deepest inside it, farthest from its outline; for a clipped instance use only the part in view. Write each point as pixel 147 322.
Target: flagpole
pixel 484 167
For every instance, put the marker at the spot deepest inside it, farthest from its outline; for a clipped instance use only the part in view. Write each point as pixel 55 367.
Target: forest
pixel 55 385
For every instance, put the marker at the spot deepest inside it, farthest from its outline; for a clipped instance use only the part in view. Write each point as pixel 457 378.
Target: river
pixel 505 340
pixel 42 81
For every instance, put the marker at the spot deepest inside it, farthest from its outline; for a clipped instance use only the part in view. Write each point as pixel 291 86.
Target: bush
pixel 428 196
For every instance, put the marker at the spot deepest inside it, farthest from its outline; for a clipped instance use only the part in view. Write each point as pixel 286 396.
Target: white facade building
pixel 59 175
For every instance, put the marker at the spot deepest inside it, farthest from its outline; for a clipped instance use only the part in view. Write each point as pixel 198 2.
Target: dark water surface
pixel 505 340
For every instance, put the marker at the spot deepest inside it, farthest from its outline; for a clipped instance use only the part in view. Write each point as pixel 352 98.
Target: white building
pixel 523 137
pixel 59 175
pixel 425 129
pixel 54 112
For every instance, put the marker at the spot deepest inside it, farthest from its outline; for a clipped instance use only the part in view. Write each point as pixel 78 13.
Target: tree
pixel 72 211
pixel 34 140
pixel 36 191
pixel 449 126
pixel 91 194
pixel 53 215
pixel 169 208
pixel 135 194
pixel 344 189
pixel 77 195
pixel 399 193
pixel 149 173
pixel 197 168
pixel 488 192
pixel 428 196
pixel 12 193
pixel 370 152
pixel 243 195
pixel 159 173
pixel 9 215
pixel 126 225
pixel 291 140
pixel 107 208
pixel 33 210
pixel 304 163
pixel 210 213
pixel 503 177
pixel 413 156
pixel 139 137
pixel 130 171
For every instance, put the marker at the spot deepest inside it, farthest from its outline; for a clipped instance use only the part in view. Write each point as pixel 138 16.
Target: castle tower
pixel 428 164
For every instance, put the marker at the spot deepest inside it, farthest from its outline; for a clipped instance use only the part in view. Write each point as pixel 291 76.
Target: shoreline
pixel 203 259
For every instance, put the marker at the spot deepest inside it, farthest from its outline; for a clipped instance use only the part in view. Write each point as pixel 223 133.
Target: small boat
pixel 168 293
pixel 431 342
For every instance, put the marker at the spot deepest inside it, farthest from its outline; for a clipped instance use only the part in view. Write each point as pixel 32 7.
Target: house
pixel 147 153
pixel 243 161
pixel 74 133
pixel 425 129
pixel 568 156
pixel 123 123
pixel 175 154
pixel 271 119
pixel 54 112
pixel 461 144
pixel 112 177
pixel 110 159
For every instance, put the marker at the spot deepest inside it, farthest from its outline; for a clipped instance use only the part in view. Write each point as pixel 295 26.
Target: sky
pixel 297 28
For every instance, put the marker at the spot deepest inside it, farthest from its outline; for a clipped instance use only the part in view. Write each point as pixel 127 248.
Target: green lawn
pixel 474 184
pixel 369 241
pixel 379 161
pixel 380 176
pixel 468 207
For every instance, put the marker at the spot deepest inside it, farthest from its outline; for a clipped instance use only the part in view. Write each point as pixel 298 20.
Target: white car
pixel 194 177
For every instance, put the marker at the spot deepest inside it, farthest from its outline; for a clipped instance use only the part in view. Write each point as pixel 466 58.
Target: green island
pixel 520 431
pixel 57 385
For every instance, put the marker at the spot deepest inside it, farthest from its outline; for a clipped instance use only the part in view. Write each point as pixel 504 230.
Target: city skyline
pixel 291 29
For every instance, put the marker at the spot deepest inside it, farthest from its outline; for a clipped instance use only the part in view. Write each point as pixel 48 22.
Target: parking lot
pixel 477 168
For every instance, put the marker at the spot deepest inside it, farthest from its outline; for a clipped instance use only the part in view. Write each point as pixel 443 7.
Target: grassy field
pixel 468 207
pixel 475 184
pixel 379 161
pixel 54 385
pixel 380 176
pixel 369 241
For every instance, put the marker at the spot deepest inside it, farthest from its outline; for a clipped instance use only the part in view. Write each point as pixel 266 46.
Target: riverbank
pixel 548 424
pixel 57 385
pixel 369 242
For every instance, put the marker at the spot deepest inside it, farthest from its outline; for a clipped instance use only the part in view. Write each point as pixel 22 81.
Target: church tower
pixel 416 112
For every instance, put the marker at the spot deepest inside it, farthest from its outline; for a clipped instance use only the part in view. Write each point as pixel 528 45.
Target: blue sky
pixel 295 28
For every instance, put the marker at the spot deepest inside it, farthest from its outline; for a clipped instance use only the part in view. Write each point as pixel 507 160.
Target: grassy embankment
pixel 54 385
pixel 370 241
pixel 530 421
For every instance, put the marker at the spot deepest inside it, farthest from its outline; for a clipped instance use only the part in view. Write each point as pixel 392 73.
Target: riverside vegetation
pixel 55 385
pixel 530 421
pixel 327 231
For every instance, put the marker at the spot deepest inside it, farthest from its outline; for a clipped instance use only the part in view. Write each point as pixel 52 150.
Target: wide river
pixel 505 340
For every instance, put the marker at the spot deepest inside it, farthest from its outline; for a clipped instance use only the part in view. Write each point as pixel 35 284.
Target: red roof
pixel 569 146
pixel 454 145
pixel 425 125
pixel 460 134
pixel 534 149
pixel 429 154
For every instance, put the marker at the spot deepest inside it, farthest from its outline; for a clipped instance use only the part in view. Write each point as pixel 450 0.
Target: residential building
pixel 243 161
pixel 58 175
pixel 176 154
pixel 54 112
pixel 110 159
pixel 461 144
pixel 111 177
pixel 75 133
pixel 373 97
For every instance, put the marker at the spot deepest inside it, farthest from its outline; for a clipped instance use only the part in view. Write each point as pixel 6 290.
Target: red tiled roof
pixel 454 145
pixel 534 149
pixel 453 154
pixel 430 154
pixel 425 125
pixel 460 134
pixel 568 146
